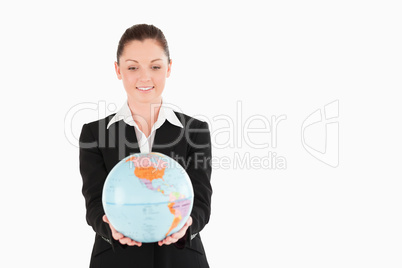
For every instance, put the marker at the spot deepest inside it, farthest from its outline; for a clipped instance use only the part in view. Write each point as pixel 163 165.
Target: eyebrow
pixel 137 61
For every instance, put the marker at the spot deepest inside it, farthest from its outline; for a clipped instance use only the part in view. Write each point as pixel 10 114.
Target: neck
pixel 145 114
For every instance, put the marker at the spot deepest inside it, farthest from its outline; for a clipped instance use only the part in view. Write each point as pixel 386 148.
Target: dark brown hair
pixel 141 32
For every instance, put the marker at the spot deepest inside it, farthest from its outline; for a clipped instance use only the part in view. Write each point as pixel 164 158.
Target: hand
pixel 119 236
pixel 176 236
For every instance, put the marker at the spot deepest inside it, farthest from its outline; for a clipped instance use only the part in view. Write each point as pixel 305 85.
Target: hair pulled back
pixel 140 32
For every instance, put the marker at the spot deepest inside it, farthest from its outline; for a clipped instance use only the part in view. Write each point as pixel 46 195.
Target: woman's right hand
pixel 119 236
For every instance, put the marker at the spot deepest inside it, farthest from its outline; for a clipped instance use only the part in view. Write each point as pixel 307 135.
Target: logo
pixel 320 134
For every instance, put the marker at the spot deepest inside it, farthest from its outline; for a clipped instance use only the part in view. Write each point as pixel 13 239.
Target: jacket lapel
pixel 166 138
pixel 122 142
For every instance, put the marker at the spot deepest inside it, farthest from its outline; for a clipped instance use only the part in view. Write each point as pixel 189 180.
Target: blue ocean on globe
pixel 147 197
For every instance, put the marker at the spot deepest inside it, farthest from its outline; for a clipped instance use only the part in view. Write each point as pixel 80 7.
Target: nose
pixel 145 75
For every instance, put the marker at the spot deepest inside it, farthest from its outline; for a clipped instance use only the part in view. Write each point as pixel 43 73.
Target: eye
pixel 132 68
pixel 156 67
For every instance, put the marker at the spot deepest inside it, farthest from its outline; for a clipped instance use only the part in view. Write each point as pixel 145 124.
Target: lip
pixel 145 88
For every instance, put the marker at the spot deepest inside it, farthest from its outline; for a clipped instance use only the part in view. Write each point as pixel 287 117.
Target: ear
pixel 169 69
pixel 117 69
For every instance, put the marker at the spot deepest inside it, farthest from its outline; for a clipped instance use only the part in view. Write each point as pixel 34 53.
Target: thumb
pixel 189 221
pixel 105 219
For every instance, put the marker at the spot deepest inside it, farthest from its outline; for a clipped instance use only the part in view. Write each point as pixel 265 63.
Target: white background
pixel 275 58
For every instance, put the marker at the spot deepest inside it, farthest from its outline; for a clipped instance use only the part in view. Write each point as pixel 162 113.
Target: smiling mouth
pixel 145 88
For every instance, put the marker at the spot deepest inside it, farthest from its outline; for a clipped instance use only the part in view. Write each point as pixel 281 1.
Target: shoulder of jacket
pixel 192 121
pixel 101 122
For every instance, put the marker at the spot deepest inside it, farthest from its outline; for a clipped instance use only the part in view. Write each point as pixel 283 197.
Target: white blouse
pixel 145 143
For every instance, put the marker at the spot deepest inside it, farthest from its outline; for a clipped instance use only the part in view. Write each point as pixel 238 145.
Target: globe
pixel 147 197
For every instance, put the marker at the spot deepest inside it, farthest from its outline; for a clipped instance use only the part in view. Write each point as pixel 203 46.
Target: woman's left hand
pixel 176 236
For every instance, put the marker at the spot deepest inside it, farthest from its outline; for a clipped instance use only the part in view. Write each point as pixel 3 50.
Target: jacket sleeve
pixel 93 172
pixel 199 170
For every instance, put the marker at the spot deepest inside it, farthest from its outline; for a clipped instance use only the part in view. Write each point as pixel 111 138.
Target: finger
pixel 130 242
pixel 167 241
pixel 170 241
pixel 117 236
pixel 134 243
pixel 189 221
pixel 125 240
pixel 178 235
pixel 162 242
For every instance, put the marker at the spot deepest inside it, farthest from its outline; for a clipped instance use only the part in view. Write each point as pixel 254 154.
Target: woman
pixel 145 124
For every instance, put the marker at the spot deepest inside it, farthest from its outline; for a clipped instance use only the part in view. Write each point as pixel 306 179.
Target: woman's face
pixel 143 68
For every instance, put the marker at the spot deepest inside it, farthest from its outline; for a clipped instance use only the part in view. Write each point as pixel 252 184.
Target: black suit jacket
pixel 101 149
